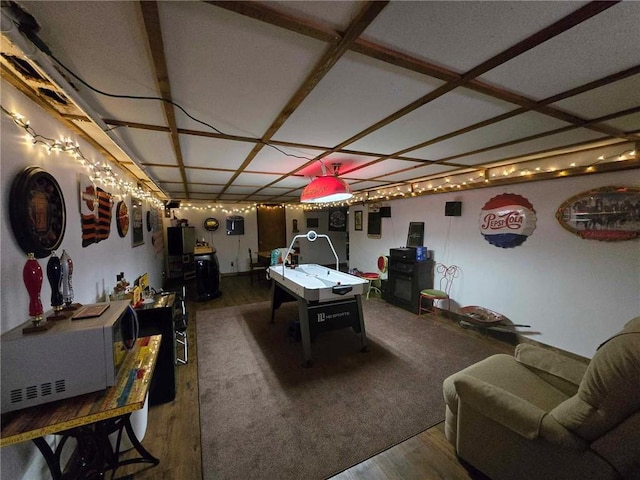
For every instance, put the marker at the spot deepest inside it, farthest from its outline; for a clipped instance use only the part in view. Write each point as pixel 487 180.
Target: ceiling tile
pixel 602 101
pixel 357 92
pixel 601 46
pixel 456 34
pixel 452 111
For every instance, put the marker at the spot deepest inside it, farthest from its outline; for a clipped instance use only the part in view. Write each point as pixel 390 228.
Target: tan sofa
pixel 542 415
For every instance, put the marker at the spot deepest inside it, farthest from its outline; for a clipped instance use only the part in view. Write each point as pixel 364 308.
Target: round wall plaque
pixel 37 211
pixel 122 219
pixel 211 224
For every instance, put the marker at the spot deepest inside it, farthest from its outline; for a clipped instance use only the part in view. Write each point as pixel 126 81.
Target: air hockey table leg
pixel 305 332
pixel 363 333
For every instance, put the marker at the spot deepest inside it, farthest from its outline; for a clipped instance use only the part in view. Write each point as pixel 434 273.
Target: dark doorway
pixel 272 231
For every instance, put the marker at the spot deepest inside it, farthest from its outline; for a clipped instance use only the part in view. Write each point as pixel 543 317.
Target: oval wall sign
pixel 608 214
pixel 507 220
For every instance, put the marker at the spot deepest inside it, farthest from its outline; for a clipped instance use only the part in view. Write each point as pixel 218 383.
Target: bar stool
pixel 180 324
pixel 374 282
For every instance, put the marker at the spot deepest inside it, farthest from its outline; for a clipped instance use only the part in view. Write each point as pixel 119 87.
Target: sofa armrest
pixel 505 408
pixel 564 373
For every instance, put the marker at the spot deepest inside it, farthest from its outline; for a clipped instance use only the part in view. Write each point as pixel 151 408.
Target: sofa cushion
pixel 610 389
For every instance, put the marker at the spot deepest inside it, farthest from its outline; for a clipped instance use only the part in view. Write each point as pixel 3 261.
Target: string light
pixel 98 172
pixel 483 177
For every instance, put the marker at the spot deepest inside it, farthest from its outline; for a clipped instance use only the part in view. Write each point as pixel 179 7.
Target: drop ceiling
pixel 263 93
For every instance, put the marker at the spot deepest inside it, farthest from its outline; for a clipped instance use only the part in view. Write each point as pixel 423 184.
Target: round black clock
pixel 37 211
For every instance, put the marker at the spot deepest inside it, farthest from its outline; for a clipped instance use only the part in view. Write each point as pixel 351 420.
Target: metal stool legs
pixel 182 343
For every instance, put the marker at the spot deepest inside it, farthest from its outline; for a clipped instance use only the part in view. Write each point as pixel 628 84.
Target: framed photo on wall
pixel 357 220
pixel 137 232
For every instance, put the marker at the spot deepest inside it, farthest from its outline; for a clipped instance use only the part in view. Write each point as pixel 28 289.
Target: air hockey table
pixel 327 300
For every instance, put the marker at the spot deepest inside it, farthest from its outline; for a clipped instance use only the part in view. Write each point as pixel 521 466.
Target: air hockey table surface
pixel 317 283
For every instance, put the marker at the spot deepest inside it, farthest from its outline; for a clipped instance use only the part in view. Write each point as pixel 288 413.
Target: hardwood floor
pixel 173 431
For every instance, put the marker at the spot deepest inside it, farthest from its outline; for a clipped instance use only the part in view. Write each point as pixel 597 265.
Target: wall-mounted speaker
pixel 235 225
pixel 453 209
pixel 385 212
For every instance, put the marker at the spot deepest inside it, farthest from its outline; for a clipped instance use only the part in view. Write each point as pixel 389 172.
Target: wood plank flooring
pixel 173 431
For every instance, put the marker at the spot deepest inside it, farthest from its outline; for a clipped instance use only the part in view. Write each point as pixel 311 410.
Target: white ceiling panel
pixel 450 112
pixel 380 168
pixel 165 174
pixel 357 92
pixel 628 123
pixel 292 181
pixel 602 101
pixel 455 34
pixel 203 188
pixel 330 14
pixel 520 126
pixel 552 141
pixel 232 58
pixel 418 172
pixel 213 177
pixel 272 160
pixel 105 53
pixel 598 47
pixel 254 179
pixel 213 152
pixel 149 146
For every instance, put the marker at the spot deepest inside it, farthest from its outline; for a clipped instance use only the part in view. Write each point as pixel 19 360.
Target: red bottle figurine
pixel 32 276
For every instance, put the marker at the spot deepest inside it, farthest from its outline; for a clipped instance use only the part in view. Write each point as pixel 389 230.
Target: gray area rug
pixel 264 416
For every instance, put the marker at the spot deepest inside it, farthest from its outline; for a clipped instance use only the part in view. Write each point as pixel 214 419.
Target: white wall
pixel 573 292
pixel 95 267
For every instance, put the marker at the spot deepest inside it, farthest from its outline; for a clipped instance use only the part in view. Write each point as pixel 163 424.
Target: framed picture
pixel 415 237
pixel 374 225
pixel 137 232
pixel 608 214
pixel 357 220
pixel 312 223
pixel 37 212
pixel 338 219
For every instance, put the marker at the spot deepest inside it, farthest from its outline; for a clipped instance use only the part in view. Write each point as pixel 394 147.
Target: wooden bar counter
pixel 91 418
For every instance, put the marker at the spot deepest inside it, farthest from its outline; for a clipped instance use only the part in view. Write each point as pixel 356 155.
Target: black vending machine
pixel 207 276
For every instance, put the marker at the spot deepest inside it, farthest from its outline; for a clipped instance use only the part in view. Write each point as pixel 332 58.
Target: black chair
pixel 255 267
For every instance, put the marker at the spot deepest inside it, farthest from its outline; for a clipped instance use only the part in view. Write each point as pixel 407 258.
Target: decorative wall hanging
pixel 338 219
pixel 609 214
pixel 137 229
pixel 122 218
pixel 148 220
pixel 211 224
pixel 507 220
pixel 95 212
pixel 37 212
pixel 357 220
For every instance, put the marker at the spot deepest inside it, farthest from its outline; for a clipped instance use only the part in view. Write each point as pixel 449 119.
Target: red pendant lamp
pixel 327 188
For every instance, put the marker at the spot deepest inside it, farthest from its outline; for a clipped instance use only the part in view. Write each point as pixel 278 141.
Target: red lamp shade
pixel 326 189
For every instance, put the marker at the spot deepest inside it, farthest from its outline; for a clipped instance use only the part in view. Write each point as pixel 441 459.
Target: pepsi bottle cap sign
pixel 507 220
